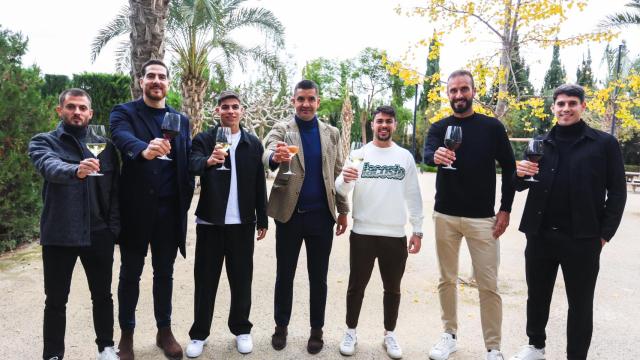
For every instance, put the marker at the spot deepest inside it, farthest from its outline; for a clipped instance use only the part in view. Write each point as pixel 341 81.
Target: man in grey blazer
pixel 303 205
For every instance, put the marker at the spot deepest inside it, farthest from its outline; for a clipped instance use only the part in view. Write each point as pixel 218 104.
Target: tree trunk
pixel 505 62
pixel 148 19
pixel 347 120
pixel 363 126
pixel 193 91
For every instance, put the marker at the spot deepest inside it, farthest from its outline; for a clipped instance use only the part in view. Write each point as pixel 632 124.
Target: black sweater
pixel 470 190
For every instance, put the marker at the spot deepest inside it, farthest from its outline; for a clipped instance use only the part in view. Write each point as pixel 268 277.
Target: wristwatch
pixel 418 234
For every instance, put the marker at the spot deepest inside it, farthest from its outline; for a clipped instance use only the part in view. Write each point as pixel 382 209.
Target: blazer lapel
pixel 153 129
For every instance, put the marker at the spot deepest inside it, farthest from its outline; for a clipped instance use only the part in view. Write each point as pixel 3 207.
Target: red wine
pixel 452 144
pixel 534 157
pixel 169 134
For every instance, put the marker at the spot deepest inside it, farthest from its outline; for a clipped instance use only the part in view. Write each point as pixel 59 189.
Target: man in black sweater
pixel 232 205
pixel 570 214
pixel 464 207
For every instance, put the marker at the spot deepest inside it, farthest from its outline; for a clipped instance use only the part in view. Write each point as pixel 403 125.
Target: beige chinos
pixel 485 258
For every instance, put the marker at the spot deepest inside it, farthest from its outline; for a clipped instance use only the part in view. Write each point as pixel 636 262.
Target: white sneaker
pixel 108 353
pixel 529 352
pixel 391 344
pixel 244 343
pixel 495 355
pixel 443 348
pixel 194 349
pixel 348 343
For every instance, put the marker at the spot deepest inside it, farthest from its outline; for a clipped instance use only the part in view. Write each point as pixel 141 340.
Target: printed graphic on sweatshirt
pixel 393 172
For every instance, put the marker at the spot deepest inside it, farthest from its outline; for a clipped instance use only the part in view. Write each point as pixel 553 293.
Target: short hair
pixel 569 90
pixel 385 109
pixel 462 72
pixel 73 92
pixel 306 85
pixel 143 68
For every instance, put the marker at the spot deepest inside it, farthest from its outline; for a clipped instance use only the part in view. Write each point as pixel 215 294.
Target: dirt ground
pixel 616 320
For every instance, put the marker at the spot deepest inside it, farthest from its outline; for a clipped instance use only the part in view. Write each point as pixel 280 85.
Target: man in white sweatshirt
pixel 384 188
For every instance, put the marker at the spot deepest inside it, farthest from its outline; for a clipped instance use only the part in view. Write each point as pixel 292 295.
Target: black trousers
pixel 233 245
pixel 164 248
pixel 315 228
pixel 580 262
pixel 58 263
pixel 392 254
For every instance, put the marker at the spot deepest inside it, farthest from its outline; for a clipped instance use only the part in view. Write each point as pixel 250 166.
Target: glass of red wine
pixel 534 152
pixel 452 141
pixel 170 129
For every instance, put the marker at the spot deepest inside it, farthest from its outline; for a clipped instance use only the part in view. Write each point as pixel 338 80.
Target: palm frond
pixel 118 26
pixel 621 20
pixel 123 57
pixel 261 19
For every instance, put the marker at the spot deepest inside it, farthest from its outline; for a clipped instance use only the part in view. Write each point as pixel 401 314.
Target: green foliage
pixel 106 90
pixel 519 83
pixel 584 74
pixel 54 84
pixel 433 67
pixel 555 75
pixel 23 113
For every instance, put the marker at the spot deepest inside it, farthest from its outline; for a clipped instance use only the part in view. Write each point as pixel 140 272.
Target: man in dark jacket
pixel 155 196
pixel 79 219
pixel 232 206
pixel 570 214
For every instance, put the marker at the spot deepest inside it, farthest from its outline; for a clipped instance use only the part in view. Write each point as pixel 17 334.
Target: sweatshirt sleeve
pixel 342 187
pixel 412 196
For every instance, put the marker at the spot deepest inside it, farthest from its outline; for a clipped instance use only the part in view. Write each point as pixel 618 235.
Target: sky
pixel 60 33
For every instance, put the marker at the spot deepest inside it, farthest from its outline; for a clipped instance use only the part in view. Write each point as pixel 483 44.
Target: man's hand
pixel 87 166
pixel 156 148
pixel 217 156
pixel 502 221
pixel 349 174
pixel 281 153
pixel 341 224
pixel 414 244
pixel 444 156
pixel 261 234
pixel 526 168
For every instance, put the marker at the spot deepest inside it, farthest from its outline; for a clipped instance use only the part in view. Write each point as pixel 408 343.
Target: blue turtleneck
pixel 312 195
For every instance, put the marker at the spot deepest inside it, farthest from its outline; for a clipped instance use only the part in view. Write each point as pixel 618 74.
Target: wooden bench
pixel 633 180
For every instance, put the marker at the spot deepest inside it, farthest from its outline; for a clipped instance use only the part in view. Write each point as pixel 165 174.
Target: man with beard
pixel 80 219
pixel 155 197
pixel 383 191
pixel 571 213
pixel 232 206
pixel 464 207
pixel 303 204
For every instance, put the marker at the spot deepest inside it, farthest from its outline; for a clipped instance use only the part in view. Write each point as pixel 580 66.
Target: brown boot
pixel 168 343
pixel 315 343
pixel 125 346
pixel 279 338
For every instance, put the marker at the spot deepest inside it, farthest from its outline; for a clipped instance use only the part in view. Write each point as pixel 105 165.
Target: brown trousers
pixel 391 253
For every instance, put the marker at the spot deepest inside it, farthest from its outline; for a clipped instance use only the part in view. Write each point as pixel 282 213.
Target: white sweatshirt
pixel 387 187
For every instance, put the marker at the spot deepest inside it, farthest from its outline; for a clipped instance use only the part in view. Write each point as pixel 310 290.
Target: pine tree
pixel 433 67
pixel 555 75
pixel 584 74
pixel 519 83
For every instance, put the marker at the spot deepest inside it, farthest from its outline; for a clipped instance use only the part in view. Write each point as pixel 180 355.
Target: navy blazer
pixel 131 133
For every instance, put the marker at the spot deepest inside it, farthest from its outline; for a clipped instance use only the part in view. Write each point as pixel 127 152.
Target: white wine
pixel 356 160
pixel 225 146
pixel 96 148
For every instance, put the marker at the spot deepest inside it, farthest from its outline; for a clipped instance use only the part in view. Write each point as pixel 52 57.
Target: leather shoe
pixel 168 344
pixel 279 338
pixel 125 346
pixel 315 343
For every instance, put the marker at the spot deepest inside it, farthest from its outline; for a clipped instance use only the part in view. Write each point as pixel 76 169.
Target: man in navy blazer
pixel 155 196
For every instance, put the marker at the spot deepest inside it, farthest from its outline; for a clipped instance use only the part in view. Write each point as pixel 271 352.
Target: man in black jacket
pixel 80 219
pixel 232 205
pixel 570 214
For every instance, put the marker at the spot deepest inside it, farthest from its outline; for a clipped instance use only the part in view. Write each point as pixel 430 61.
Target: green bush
pixel 23 113
pixel 106 90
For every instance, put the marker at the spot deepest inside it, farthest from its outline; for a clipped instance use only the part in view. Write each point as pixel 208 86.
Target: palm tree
pixel 624 19
pixel 199 36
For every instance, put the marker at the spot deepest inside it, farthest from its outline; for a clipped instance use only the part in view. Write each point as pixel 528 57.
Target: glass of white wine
pixel 356 156
pixel 96 142
pixel 223 138
pixel 292 148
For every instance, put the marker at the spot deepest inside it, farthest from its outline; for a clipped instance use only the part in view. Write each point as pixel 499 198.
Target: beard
pixel 383 138
pixel 148 92
pixel 468 103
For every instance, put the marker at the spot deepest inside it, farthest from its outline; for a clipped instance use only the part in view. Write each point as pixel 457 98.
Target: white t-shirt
pixel 386 190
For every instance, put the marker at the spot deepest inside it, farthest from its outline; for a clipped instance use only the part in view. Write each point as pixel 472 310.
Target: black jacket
pixel 215 184
pixel 597 182
pixel 66 214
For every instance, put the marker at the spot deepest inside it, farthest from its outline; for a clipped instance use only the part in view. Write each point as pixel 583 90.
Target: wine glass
pixel 534 152
pixel 170 128
pixel 96 142
pixel 356 156
pixel 223 138
pixel 292 148
pixel 452 141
